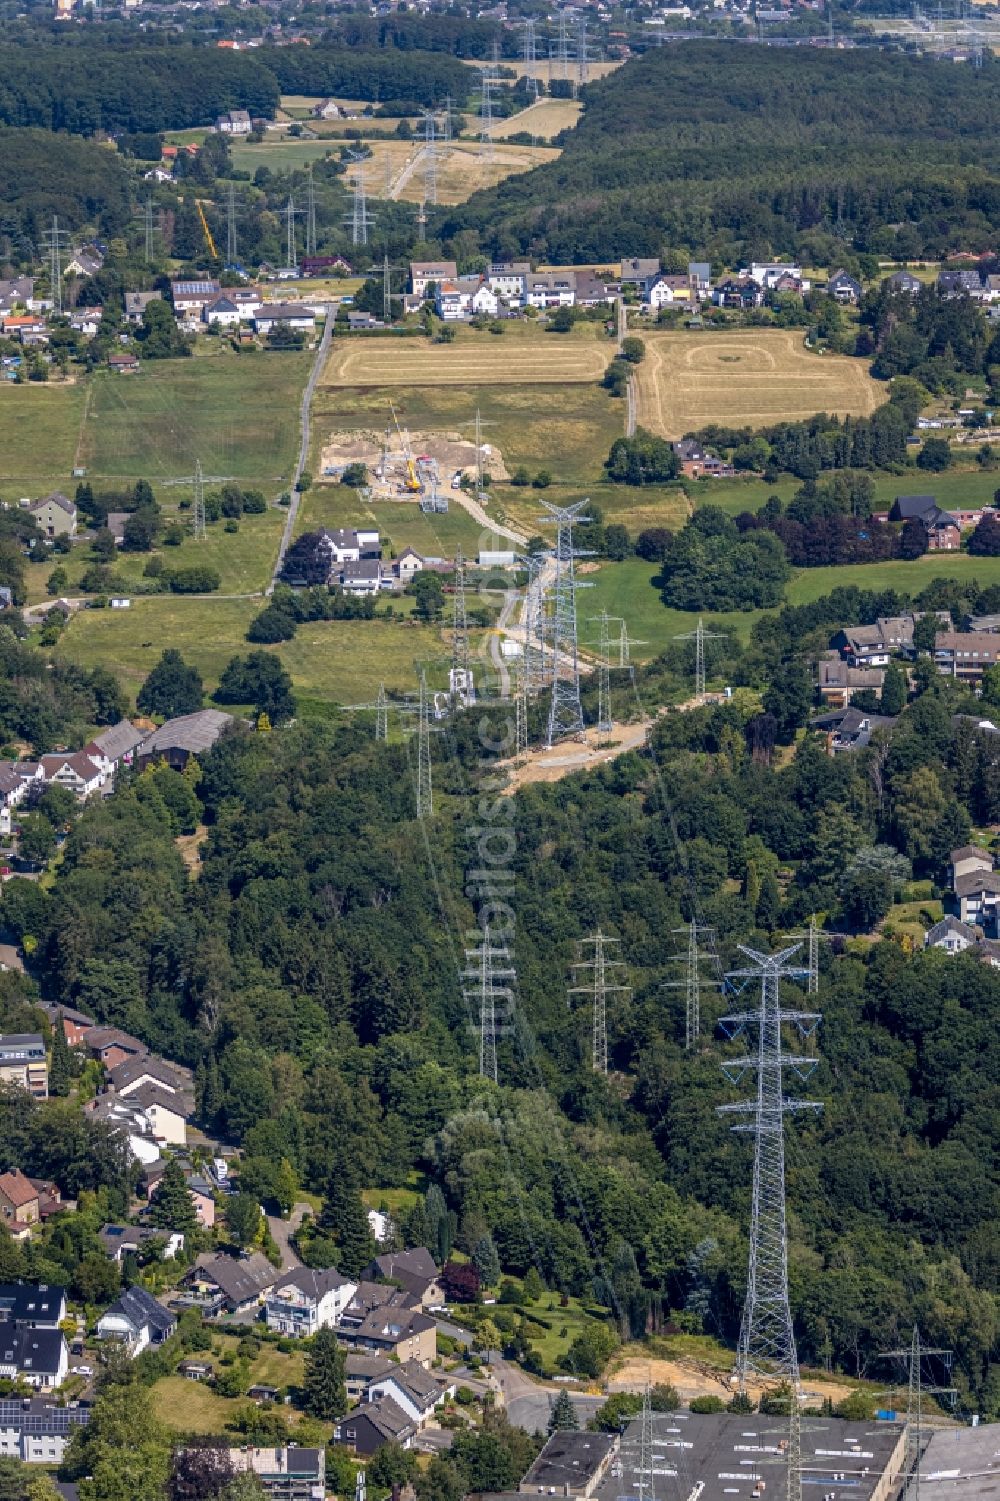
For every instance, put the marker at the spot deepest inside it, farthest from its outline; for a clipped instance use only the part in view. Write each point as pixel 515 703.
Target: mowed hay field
pixel 546 119
pixel 516 358
pixel 749 378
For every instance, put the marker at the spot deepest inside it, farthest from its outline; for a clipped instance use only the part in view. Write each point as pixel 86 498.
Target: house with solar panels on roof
pixel 36 1431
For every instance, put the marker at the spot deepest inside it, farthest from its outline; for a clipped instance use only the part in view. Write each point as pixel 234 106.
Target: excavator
pixel 412 482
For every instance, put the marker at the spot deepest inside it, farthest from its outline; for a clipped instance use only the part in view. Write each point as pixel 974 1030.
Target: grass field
pixel 332 661
pixel 40 429
pixel 516 65
pixel 964 489
pixel 753 377
pixel 627 590
pixel 192 1407
pixel 649 505
pixel 280 153
pixel 565 429
pixel 544 119
pixel 480 359
pixel 400 524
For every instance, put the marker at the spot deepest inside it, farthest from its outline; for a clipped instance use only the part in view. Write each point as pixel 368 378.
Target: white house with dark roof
pixel 415 1391
pixel 950 935
pixel 115 746
pixel 138 1320
pixel 54 514
pixel 305 1300
pixel 38 1357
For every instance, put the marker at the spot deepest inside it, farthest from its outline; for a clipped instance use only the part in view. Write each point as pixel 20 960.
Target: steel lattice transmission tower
pixel 198 503
pixel 290 251
pixel 917 1388
pixel 693 982
pixel 565 711
pixel 767 1342
pixel 486 118
pixel 562 47
pixel 55 241
pixel 446 119
pixel 460 680
pixel 599 988
pixel 604 720
pixel 625 645
pixel 530 61
pixel 582 71
pixel 310 212
pixel 493 976
pixel 699 636
pixel 232 255
pixel 430 159
pixel 148 229
pixel 521 708
pixel 425 789
pixel 359 219
pixel 644 1475
pixel 381 714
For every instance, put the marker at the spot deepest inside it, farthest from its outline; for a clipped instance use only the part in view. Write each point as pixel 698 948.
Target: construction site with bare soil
pixel 421 466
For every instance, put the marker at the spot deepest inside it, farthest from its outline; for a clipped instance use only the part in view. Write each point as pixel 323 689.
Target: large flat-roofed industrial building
pixel 735 1457
pixel 962 1464
pixel 571 1464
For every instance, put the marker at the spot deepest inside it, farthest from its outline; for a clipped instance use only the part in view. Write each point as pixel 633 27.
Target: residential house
pixel 158 174
pixel 74 1023
pixel 952 936
pixel 116 746
pixel 138 1320
pixel 506 280
pixel 50 1199
pixel 304 1300
pixel 18 291
pixel 179 739
pixel 203 1198
pixel 978 896
pixel 361 1369
pixel 550 289
pixel 960 284
pixel 36 1431
pixel 111 1046
pixel 290 1474
pixel 874 645
pixel 969 859
pixel 196 1370
pixel 272 315
pixel 367 1428
pixel 849 729
pixel 393 1329
pixel 120 1241
pixel 903 282
pixel 189 297
pixel 30 1305
pixel 86 320
pixel 350 545
pixel 700 277
pixel 696 462
pixel 362 322
pixel 222 311
pixel 407 565
pixel 77 771
pixel 669 291
pixel 55 515
pixel 319 265
pixel 484 303
pixel 770 275
pixel 363 577
pixel 844 288
pixel 126 1077
pixel 86 261
pixel 326 109
pixel 19 1207
pixel 943 529
pixel 239 1284
pixel 23 1062
pixel 414 1271
pixel 591 291
pixel 424 274
pixel 136 304
pixel 451 302
pixel 236 123
pixel 13 790
pixel 639 270
pixel 738 292
pixel 167 1113
pixel 27 327
pixel 838 682
pixel 38 1357
pixel 415 1391
pixel 966 654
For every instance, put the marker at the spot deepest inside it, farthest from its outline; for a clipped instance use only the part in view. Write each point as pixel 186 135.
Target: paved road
pixel 630 405
pixel 510 599
pixel 528 1403
pixel 307 396
pixel 282 1232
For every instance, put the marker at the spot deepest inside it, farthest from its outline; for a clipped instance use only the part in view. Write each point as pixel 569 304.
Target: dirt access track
pixel 745 378
pixel 691 1378
pixel 418 362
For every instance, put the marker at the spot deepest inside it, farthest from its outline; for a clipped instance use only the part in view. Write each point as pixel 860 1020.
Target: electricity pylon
pixel 530 61
pixel 310 212
pixel 198 503
pixel 645 1480
pixel 148 228
pixel 359 219
pixel 231 254
pixel 425 790
pixel 625 644
pixel 565 711
pixel 460 681
pixel 430 159
pixel 486 117
pixel 599 988
pixel 55 241
pixel 604 720
pixel 521 708
pixel 381 715
pixel 917 1389
pixel 493 976
pixel 291 254
pixel 692 983
pixel 699 636
pixel 767 1341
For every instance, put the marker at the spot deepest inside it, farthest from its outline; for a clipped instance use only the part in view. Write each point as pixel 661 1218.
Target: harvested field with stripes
pixel 469 361
pixel 745 378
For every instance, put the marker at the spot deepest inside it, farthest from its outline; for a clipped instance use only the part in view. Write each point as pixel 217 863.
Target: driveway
pixel 528 1402
pixel 282 1232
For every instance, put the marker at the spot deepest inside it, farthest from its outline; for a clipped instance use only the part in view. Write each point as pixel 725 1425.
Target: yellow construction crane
pixel 411 482
pixel 213 252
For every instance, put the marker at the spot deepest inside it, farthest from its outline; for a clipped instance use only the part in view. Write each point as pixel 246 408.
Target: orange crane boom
pixel 206 231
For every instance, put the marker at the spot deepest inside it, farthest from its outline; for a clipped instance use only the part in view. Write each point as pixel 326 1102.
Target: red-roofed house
pixel 18 1203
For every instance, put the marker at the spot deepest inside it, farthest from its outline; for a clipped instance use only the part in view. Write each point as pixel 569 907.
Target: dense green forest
pixel 426 77
pixel 739 152
pixel 312 976
pixel 42 174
